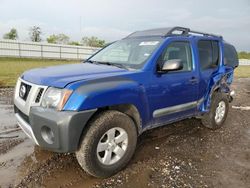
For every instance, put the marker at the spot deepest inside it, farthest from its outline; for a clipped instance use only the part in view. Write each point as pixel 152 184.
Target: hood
pixel 61 75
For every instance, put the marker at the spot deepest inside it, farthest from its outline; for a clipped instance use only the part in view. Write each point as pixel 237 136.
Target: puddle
pixel 7 119
pixel 10 161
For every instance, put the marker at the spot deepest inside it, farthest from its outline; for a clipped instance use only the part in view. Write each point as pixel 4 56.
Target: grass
pixel 242 71
pixel 12 68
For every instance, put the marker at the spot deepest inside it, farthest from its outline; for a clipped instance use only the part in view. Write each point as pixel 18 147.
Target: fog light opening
pixel 47 135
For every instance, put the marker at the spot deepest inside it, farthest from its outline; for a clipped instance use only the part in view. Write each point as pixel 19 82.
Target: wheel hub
pixel 220 112
pixel 112 146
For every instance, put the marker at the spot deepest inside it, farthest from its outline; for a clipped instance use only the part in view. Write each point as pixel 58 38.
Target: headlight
pixel 55 98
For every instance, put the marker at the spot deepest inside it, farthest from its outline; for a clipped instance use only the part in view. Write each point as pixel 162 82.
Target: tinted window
pixel 216 53
pixel 178 50
pixel 230 56
pixel 205 54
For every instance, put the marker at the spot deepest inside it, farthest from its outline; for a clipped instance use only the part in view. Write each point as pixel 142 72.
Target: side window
pixel 208 54
pixel 216 53
pixel 178 50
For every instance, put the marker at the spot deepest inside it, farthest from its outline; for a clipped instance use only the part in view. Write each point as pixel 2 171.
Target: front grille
pixel 38 97
pixel 23 116
pixel 24 93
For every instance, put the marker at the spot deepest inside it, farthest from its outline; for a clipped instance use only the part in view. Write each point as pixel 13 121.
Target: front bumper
pixel 25 127
pixel 66 126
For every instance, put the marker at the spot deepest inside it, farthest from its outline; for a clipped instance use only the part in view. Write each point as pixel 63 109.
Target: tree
pixel 12 35
pixel 93 42
pixel 52 39
pixel 35 34
pixel 75 43
pixel 58 39
pixel 244 55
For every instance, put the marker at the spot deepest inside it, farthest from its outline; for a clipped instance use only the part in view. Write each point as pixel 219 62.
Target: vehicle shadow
pixel 150 141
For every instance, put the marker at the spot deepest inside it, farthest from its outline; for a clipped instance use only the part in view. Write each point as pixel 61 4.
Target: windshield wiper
pixel 114 64
pixel 90 61
pixel 108 63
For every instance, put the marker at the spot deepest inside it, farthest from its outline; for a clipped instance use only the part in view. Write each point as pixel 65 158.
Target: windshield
pixel 130 53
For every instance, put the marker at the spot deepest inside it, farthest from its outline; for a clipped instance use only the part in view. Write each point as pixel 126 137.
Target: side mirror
pixel 172 65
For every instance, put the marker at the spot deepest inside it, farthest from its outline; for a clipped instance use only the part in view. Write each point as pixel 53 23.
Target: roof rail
pixel 186 31
pixel 168 31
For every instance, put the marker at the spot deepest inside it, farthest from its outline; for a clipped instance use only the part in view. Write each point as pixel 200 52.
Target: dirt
pixel 183 154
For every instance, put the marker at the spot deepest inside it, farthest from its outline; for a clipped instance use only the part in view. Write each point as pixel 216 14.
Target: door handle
pixel 193 80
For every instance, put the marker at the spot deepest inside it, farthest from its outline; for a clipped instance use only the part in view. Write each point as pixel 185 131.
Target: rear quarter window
pixel 230 56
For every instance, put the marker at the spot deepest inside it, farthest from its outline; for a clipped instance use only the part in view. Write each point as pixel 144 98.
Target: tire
pixel 99 132
pixel 210 120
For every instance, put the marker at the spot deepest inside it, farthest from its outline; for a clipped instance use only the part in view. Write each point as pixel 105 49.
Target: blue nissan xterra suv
pixel 151 78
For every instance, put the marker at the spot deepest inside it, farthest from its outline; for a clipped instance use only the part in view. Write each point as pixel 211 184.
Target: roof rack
pixel 169 31
pixel 186 31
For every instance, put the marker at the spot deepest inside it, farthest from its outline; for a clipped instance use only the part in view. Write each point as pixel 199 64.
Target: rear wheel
pixel 108 144
pixel 218 111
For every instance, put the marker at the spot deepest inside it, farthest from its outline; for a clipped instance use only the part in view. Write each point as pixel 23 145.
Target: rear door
pixel 209 57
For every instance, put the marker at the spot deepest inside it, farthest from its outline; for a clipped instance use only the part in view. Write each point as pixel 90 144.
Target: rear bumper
pixel 231 95
pixel 65 128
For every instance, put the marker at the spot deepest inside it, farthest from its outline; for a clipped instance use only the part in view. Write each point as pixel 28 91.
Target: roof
pixel 169 31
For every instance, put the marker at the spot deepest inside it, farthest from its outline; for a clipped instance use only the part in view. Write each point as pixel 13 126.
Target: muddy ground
pixel 182 154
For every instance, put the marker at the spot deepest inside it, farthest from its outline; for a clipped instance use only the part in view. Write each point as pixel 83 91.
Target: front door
pixel 174 94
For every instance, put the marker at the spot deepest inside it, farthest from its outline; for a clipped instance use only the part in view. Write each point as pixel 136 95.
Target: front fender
pixel 108 92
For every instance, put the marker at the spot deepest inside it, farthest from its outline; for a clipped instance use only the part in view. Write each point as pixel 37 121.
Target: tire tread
pixel 84 154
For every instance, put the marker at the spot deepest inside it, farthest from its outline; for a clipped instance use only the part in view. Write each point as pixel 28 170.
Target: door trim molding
pixel 177 108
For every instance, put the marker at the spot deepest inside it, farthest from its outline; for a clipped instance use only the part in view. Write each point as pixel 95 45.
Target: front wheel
pixel 108 144
pixel 218 111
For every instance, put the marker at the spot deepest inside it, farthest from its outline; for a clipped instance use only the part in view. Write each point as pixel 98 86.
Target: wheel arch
pixel 132 112
pixel 128 109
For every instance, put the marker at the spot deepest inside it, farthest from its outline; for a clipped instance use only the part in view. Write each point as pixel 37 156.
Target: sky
pixel 114 19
